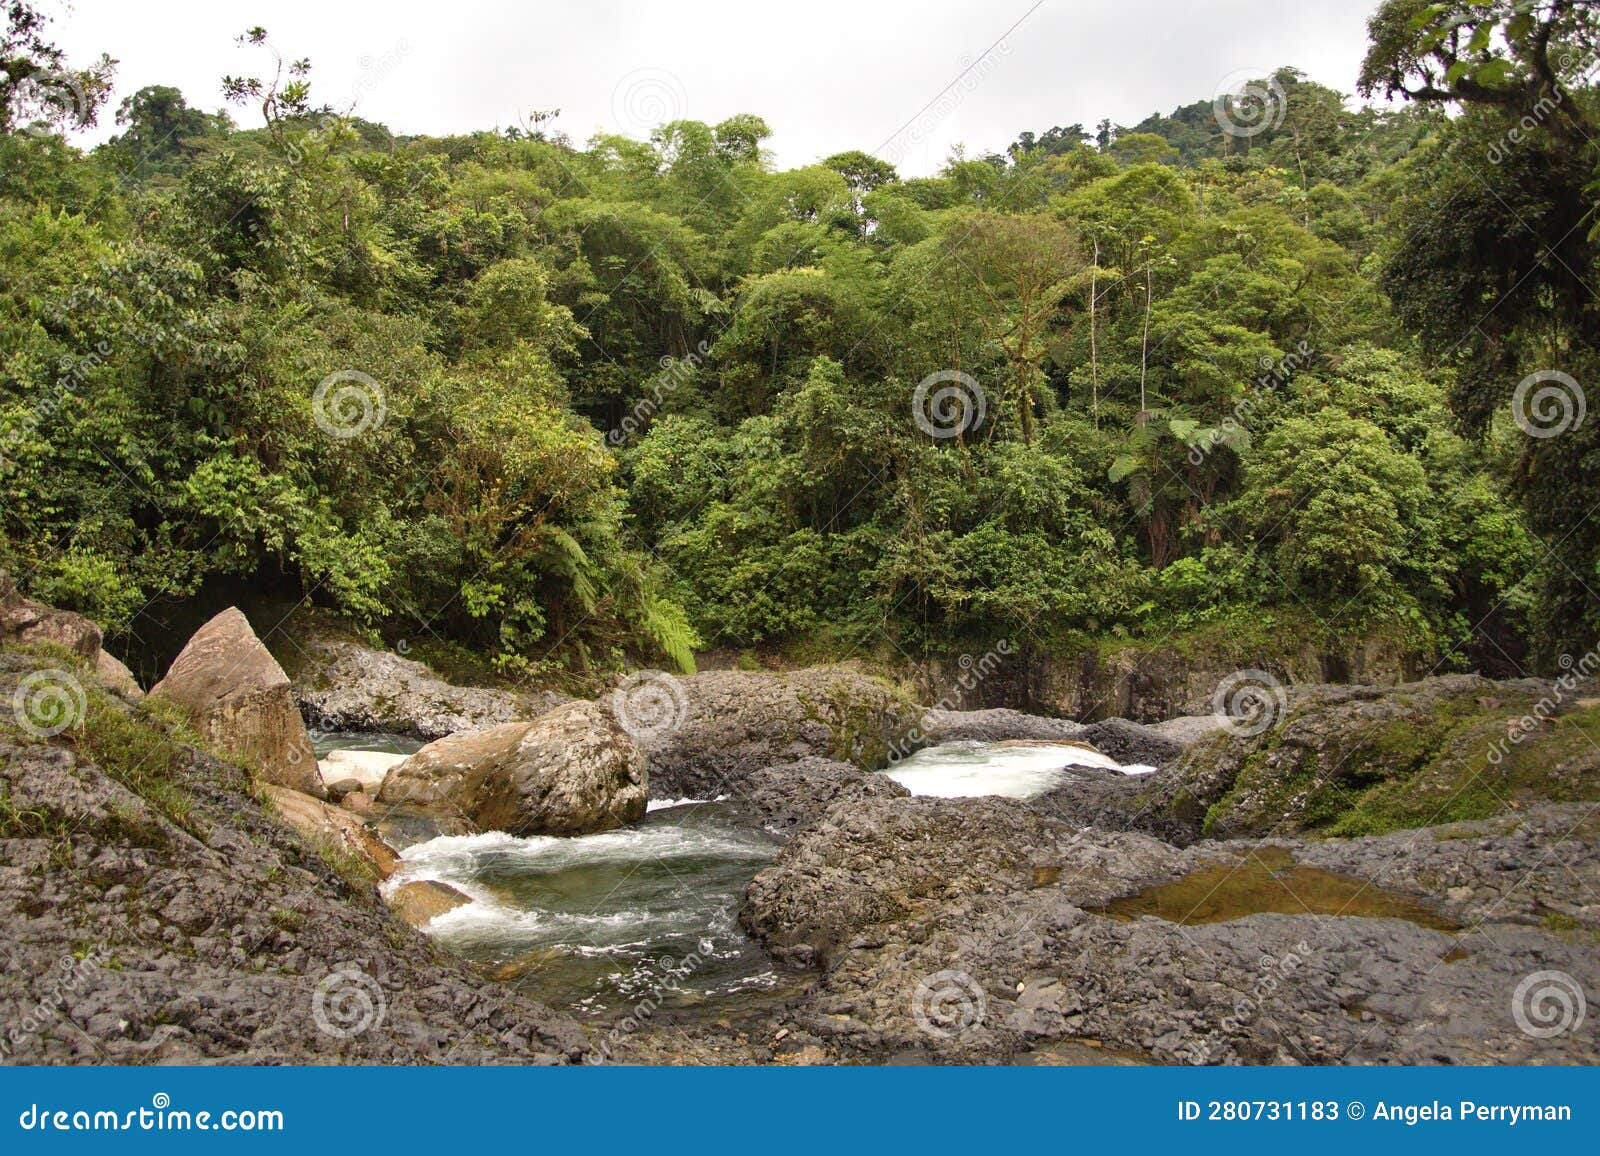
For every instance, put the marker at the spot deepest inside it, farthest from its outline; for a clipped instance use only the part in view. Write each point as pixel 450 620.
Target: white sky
pixel 827 75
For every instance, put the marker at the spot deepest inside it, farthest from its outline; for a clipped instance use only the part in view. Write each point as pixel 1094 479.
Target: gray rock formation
pixel 995 725
pixel 237 697
pixel 30 623
pixel 1132 743
pixel 573 771
pixel 223 937
pixel 790 796
pixel 706 733
pixel 342 685
pixel 967 931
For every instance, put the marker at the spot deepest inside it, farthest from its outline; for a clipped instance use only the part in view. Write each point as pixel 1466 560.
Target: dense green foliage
pixel 572 405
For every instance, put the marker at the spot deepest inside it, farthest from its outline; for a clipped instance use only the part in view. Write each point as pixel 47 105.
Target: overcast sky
pixel 906 79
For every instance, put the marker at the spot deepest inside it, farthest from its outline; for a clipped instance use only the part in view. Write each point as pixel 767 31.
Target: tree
pixel 37 86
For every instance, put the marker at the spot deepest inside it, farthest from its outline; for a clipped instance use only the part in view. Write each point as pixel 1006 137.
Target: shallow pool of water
pixel 1269 880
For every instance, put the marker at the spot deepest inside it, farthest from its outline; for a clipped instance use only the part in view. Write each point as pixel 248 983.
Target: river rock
pixel 994 725
pixel 117 677
pixel 1132 743
pixel 790 796
pixel 422 901
pixel 573 771
pixel 30 623
pixel 237 697
pixel 343 685
pixel 367 769
pixel 332 829
pixel 706 733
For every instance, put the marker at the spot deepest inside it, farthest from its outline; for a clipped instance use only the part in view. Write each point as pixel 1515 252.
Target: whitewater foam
pixel 1014 771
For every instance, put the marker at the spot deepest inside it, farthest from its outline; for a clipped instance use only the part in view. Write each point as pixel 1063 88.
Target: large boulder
pixel 367 769
pixel 30 623
pixel 237 697
pixel 342 685
pixel 331 830
pixel 707 733
pixel 572 771
pixel 116 676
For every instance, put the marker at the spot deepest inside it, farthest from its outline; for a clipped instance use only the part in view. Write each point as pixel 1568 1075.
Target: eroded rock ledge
pixel 977 917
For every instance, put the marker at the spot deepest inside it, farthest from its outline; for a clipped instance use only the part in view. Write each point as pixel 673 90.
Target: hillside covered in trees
pixel 1276 362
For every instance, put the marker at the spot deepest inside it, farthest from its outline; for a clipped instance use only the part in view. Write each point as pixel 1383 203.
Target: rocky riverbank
pixel 158 911
pixel 1360 874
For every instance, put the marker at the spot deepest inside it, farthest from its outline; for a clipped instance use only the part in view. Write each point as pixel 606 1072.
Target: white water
pixel 601 915
pixel 1015 771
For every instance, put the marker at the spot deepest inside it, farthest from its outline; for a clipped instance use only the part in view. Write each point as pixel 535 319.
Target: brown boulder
pixel 573 771
pixel 116 676
pixel 420 902
pixel 330 828
pixel 238 698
